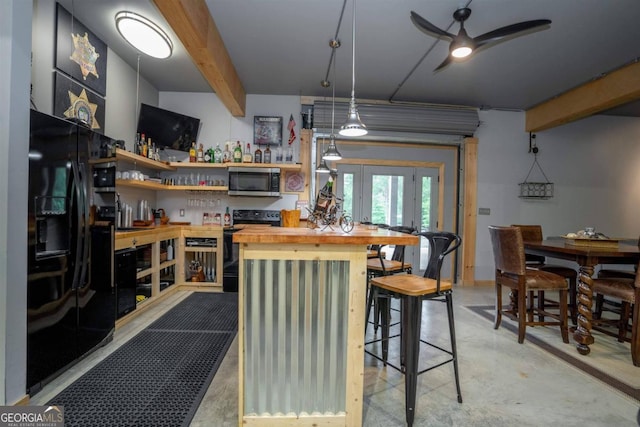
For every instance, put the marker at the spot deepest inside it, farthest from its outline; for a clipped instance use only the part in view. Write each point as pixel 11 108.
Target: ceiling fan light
pixel 461 52
pixel 353 126
pixel 332 152
pixel 144 35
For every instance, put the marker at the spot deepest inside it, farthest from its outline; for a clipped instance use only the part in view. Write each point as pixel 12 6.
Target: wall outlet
pixel 181 212
pixel 484 211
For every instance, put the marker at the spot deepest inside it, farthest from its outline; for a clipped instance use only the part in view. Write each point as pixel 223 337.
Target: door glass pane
pixel 347 193
pixel 425 212
pixel 386 199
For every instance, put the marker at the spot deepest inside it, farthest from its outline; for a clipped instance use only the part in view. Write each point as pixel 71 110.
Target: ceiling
pixel 282 47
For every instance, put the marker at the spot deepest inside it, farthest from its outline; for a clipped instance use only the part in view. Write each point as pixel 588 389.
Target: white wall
pixel 218 126
pixel 593 164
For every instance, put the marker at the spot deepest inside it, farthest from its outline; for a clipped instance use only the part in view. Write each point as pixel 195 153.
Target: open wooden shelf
pixel 123 155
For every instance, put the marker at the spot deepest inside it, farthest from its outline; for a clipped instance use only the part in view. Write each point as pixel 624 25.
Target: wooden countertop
pixel 144 231
pixel 359 236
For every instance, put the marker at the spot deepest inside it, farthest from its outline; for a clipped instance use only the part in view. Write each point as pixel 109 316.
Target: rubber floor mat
pixel 158 377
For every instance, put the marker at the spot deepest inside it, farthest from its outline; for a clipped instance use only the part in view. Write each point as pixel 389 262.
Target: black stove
pixel 230 250
pixel 256 216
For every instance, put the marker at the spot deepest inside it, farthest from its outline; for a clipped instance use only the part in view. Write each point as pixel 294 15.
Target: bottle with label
pixel 200 154
pixel 325 196
pixel 257 156
pixel 149 148
pixel 192 153
pixel 217 154
pixel 208 155
pixel 227 218
pixel 267 155
pixel 143 151
pixel 237 153
pixel 226 154
pixel 247 157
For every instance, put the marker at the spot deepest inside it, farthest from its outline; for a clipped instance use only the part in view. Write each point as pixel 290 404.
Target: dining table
pixel 587 256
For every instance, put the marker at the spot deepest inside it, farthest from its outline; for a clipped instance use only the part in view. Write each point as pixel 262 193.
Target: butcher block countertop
pixel 358 236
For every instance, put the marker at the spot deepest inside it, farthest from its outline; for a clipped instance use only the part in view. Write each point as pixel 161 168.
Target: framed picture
pixel 267 130
pixel 293 182
pixel 73 101
pixel 79 53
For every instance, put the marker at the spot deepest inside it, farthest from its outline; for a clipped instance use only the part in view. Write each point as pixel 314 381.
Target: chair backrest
pixel 508 249
pixel 441 244
pixel 398 250
pixel 531 233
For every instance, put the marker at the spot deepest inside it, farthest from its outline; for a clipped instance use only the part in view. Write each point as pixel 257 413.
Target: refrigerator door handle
pixel 84 221
pixel 79 253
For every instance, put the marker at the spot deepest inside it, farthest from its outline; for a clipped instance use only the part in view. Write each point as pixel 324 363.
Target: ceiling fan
pixel 462 46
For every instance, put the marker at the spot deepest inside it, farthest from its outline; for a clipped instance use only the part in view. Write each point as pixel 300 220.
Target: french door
pixel 393 195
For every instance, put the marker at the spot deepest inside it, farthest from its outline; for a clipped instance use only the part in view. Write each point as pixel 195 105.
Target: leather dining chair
pixel 533 233
pixel 413 290
pixel 628 292
pixel 512 271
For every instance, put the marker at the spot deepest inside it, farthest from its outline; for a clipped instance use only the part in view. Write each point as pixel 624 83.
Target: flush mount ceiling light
pixel 144 35
pixel 353 126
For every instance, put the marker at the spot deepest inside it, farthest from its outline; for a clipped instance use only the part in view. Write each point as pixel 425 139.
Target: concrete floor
pixel 503 383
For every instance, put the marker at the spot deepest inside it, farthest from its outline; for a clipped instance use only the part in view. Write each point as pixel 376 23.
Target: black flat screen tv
pixel 167 129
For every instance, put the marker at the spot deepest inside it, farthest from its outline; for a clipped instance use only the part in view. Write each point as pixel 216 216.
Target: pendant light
pixel 353 126
pixel 332 152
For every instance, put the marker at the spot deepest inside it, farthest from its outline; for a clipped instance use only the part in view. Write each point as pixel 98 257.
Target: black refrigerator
pixel 70 286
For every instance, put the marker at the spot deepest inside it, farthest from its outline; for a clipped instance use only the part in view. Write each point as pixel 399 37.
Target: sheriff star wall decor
pixel 73 101
pixel 79 53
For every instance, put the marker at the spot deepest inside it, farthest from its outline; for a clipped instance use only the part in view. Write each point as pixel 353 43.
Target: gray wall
pixel 15 45
pixel 593 164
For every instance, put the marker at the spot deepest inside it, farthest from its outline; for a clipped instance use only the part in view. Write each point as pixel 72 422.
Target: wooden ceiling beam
pixel 194 26
pixel 616 88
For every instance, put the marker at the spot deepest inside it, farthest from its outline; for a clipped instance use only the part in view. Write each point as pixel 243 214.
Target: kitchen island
pixel 302 297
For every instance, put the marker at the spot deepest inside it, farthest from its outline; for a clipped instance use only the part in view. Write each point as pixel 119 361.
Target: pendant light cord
pixel 353 54
pixel 135 112
pixel 333 95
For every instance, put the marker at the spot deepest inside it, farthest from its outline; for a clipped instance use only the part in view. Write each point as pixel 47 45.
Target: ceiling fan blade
pixel 428 27
pixel 444 63
pixel 511 30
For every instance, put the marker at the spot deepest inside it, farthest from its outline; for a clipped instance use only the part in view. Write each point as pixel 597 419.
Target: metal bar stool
pixel 413 289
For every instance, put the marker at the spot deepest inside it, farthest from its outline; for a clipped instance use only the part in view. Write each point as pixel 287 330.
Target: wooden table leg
pixel 582 334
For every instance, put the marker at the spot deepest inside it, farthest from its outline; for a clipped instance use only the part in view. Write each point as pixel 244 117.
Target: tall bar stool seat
pixel 412 290
pixel 533 233
pixel 380 266
pixel 511 271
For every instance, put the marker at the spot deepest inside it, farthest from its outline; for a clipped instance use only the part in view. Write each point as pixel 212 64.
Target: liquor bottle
pixel 325 196
pixel 200 154
pixel 267 155
pixel 192 153
pixel 208 155
pixel 143 151
pixel 237 153
pixel 149 148
pixel 227 218
pixel 140 145
pixel 257 156
pixel 217 154
pixel 226 154
pixel 247 157
pixel 136 142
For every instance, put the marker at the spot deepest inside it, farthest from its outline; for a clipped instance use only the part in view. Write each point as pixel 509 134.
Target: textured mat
pixel 609 361
pixel 158 377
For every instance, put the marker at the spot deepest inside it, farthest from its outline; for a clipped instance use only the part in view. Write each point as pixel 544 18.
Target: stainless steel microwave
pixel 254 181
